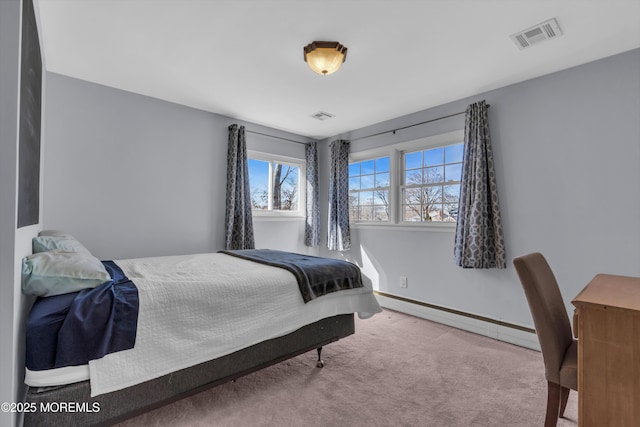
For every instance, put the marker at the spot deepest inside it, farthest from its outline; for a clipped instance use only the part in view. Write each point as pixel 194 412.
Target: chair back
pixel 547 309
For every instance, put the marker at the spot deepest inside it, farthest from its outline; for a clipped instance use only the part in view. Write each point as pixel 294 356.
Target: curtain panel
pixel 312 210
pixel 479 241
pixel 238 217
pixel 338 235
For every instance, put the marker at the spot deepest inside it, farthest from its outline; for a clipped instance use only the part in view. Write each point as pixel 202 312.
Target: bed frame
pixel 122 404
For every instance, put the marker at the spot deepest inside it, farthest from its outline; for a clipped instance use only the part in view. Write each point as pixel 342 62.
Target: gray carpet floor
pixel 397 370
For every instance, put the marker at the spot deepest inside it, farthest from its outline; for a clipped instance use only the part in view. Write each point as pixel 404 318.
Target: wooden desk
pixel 607 324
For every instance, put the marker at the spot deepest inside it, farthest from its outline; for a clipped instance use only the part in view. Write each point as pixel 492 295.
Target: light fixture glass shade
pixel 325 57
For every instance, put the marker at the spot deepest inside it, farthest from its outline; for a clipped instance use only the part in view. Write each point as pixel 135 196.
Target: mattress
pixel 195 308
pixel 56 376
pixel 120 405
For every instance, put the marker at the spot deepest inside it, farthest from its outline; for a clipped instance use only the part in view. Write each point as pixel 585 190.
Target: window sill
pixel 434 227
pixel 277 217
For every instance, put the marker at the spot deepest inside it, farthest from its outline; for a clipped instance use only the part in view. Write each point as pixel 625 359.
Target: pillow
pixel 66 243
pixel 56 233
pixel 58 272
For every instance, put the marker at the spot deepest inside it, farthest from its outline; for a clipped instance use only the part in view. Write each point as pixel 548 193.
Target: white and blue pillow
pixel 60 264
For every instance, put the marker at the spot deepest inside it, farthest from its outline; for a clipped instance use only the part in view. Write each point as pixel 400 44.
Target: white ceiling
pixel 244 59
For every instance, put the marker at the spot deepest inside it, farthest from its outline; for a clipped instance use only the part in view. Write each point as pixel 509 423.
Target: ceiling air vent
pixel 536 34
pixel 321 115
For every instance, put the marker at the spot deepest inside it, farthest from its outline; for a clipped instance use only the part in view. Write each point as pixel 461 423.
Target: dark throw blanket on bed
pixel 71 329
pixel 316 276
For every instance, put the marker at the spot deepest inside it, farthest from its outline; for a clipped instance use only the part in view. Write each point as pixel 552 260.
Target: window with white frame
pixel 277 184
pixel 369 190
pixel 431 183
pixel 414 182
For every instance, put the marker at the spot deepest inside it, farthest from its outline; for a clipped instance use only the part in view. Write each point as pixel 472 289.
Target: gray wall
pixel 567 150
pixel 14 243
pixel 9 62
pixel 133 176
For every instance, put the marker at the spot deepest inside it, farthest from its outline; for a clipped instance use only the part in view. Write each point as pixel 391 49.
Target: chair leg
pixel 553 404
pixel 564 397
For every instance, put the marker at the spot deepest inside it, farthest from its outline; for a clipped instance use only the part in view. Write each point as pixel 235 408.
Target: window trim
pixel 302 181
pixel 395 153
pixel 388 188
pixel 404 186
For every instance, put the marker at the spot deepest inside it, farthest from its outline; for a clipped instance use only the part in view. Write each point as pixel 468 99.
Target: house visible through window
pixel 275 184
pixel 369 190
pixel 413 182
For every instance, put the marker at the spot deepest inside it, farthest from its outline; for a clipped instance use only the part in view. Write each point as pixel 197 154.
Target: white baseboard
pixel 498 330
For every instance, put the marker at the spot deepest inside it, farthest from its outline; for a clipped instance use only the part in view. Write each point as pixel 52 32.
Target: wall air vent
pixel 321 115
pixel 536 34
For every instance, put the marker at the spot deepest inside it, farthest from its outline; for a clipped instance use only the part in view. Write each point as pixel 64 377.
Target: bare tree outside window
pixel 423 203
pixel 285 187
pixel 369 190
pixel 275 180
pixel 259 199
pixel 425 187
pixel 431 188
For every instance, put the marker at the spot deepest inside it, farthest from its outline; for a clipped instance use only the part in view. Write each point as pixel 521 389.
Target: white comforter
pixel 195 308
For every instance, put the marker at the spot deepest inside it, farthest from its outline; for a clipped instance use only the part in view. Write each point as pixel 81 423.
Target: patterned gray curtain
pixel 238 218
pixel 479 241
pixel 312 211
pixel 339 236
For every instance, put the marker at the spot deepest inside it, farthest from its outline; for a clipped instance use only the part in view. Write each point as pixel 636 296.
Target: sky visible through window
pixel 431 184
pixel 284 187
pixel 369 190
pixel 428 181
pixel 258 179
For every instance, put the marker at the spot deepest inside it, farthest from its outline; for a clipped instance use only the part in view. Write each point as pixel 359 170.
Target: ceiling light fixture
pixel 325 57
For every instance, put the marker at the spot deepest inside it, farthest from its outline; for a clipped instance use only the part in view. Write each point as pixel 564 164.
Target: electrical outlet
pixel 403 281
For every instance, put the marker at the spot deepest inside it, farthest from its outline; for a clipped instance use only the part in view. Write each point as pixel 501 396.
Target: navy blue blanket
pixel 71 329
pixel 316 276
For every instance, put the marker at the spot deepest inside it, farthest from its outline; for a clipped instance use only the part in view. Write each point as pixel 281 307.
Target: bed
pixel 202 320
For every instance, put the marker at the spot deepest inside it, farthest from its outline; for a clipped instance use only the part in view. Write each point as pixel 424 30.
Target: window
pixel 276 184
pixel 369 190
pixel 409 183
pixel 431 184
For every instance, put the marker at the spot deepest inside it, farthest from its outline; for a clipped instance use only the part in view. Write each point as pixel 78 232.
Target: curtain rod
pixel 410 126
pixel 277 137
pixel 367 136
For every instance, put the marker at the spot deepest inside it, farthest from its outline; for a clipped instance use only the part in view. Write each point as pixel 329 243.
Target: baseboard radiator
pixel 492 328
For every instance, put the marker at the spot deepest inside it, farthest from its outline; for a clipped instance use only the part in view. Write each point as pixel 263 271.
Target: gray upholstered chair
pixel 559 349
